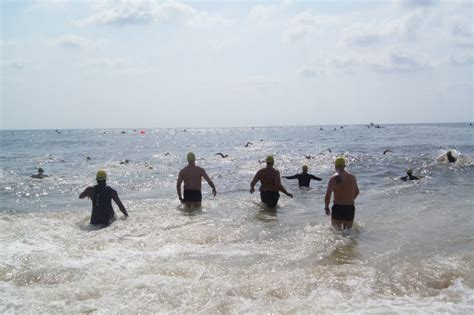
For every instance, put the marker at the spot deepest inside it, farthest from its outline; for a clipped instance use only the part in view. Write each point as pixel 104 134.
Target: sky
pixel 168 64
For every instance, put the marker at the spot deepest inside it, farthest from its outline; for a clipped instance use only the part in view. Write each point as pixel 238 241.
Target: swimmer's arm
pixel 356 190
pixel 87 193
pixel 254 181
pixel 280 186
pixel 315 177
pixel 209 181
pixel 178 186
pixel 290 177
pixel 327 198
pixel 119 203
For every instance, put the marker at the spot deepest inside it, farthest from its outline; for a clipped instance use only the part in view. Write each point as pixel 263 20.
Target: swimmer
pixel 248 144
pixel 270 184
pixel 192 176
pixel 303 178
pixel 40 174
pixel 451 158
pixel 223 156
pixel 88 158
pixel 308 157
pixel 409 176
pixel 387 151
pixel 125 162
pixel 345 189
pixel 102 195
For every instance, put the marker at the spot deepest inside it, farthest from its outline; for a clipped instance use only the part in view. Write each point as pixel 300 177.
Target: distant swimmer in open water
pixel 248 144
pixel 409 176
pixel 451 158
pixel 303 178
pixel 102 195
pixel 223 156
pixel 40 174
pixel 345 189
pixel 192 176
pixel 387 151
pixel 270 184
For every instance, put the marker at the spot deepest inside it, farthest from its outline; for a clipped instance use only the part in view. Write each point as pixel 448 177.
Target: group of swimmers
pixel 343 185
pixel 449 157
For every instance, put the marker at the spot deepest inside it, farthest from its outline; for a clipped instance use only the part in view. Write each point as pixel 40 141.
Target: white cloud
pixel 113 63
pixel 262 13
pixel 463 32
pixel 15 64
pixel 397 60
pixel 392 60
pixel 262 83
pixel 129 12
pixel 121 13
pixel 462 59
pixel 374 33
pixel 72 41
pixel 417 3
pixel 306 24
pixel 47 4
pixel 309 71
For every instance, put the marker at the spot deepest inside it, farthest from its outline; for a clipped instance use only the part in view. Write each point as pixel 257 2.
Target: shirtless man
pixel 192 176
pixel 270 184
pixel 344 186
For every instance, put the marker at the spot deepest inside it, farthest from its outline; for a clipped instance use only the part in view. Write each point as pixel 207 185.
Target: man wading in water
pixel 344 186
pixel 192 176
pixel 270 184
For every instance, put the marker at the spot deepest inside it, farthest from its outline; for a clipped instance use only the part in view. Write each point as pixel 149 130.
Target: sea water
pixel 411 249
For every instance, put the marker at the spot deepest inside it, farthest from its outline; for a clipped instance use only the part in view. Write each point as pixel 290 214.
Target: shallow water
pixel 411 250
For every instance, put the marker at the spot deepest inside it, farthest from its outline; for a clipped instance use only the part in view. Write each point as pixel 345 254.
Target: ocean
pixel 411 250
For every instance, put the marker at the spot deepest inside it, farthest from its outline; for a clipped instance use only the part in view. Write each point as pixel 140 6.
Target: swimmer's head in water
pixel 270 159
pixel 101 176
pixel 305 168
pixel 191 157
pixel 409 171
pixel 340 162
pixel 449 153
pixel 40 170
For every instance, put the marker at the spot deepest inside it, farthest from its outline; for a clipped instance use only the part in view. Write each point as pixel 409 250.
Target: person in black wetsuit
pixel 101 196
pixel 303 178
pixel 450 157
pixel 40 174
pixel 409 176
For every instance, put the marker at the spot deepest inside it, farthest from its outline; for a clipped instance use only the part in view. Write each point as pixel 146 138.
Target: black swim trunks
pixel 192 195
pixel 343 212
pixel 270 198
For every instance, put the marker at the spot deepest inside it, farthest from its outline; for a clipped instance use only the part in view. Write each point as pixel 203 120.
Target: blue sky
pixel 118 64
